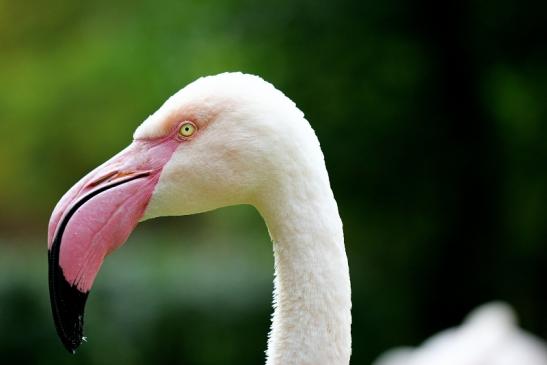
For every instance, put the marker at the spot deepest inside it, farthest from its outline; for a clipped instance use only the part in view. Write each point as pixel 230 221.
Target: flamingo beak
pixel 95 217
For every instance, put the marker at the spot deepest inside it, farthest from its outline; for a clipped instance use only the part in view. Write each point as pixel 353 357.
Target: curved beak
pixel 95 217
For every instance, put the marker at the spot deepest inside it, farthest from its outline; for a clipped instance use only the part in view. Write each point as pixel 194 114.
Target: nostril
pixel 103 178
pixel 117 175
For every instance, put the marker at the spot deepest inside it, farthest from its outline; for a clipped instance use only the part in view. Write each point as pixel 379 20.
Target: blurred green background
pixel 432 117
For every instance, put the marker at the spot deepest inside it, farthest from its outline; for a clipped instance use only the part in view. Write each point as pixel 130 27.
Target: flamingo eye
pixel 187 129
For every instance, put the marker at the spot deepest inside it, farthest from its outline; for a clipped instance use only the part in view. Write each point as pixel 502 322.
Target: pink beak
pixel 95 217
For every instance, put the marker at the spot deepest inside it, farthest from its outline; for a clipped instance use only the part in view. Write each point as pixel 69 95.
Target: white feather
pixel 489 336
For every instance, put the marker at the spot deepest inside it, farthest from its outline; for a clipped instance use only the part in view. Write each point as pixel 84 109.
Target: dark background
pixel 432 117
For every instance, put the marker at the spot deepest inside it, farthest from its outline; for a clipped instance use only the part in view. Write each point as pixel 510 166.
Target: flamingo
pixel 489 336
pixel 222 140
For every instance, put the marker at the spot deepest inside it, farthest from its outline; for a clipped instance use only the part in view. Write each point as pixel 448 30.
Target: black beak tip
pixel 71 345
pixel 70 341
pixel 67 306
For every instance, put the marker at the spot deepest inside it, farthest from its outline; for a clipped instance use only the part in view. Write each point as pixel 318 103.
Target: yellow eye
pixel 187 129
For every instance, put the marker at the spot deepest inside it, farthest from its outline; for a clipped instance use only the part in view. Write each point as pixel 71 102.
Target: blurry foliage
pixel 148 305
pixel 432 118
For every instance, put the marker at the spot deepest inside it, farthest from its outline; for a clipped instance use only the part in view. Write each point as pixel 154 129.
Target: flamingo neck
pixel 311 323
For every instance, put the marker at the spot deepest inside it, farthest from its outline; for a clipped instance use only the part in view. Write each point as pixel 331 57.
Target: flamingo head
pixel 221 140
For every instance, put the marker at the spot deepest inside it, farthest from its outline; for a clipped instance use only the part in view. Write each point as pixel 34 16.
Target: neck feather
pixel 311 323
